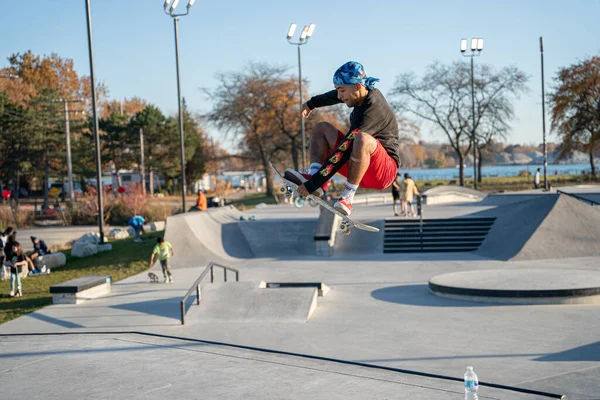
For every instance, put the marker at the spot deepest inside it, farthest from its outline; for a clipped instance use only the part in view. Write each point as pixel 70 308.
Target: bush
pixel 84 211
pixel 118 209
pixel 24 216
pixel 157 212
pixel 524 173
pixel 134 201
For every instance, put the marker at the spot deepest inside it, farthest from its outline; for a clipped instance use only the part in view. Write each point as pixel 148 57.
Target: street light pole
pixel 68 143
pixel 96 129
pixel 544 117
pixel 302 127
pixel 306 34
pixel 181 136
pixel 476 45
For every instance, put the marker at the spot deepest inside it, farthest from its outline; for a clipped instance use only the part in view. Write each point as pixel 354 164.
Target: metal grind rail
pixel 196 284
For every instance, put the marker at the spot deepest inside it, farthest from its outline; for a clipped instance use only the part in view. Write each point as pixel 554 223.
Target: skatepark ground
pixel 379 333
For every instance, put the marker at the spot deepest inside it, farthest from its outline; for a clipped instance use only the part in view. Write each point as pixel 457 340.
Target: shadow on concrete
pixel 166 307
pixel 55 321
pixel 448 357
pixel 88 350
pixel 588 352
pixel 419 295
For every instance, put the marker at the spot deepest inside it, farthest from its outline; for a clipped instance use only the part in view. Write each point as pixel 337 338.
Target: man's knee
pixel 364 141
pixel 327 131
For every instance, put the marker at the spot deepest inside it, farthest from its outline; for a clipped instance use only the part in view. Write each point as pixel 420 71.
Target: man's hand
pixel 302 191
pixel 306 110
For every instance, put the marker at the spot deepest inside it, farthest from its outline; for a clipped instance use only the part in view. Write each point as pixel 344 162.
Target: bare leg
pixel 395 209
pixel 322 141
pixel 364 146
pixel 403 206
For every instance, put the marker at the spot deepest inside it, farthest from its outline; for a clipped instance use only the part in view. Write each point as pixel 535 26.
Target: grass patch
pixel 252 200
pixel 125 259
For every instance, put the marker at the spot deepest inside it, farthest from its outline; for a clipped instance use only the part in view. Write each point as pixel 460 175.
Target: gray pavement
pixel 379 312
pixel 56 235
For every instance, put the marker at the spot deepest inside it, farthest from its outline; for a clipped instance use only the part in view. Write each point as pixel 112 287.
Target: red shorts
pixel 382 169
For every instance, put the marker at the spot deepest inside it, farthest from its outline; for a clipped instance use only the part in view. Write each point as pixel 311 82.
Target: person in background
pixel 3 239
pixel 39 249
pixel 536 179
pixel 411 189
pixel 18 261
pixel 396 193
pixel 137 223
pixel 201 202
pixel 163 250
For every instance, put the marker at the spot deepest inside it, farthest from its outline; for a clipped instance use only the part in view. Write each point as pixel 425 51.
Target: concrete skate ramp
pixel 280 238
pixel 359 241
pixel 550 226
pixel 503 199
pixel 247 302
pixel 218 235
pixel 447 194
pixel 201 237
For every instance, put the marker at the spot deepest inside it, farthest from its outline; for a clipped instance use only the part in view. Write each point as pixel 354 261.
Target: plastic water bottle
pixel 471 384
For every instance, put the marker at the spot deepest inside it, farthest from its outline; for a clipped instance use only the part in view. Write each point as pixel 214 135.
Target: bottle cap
pixel 469 368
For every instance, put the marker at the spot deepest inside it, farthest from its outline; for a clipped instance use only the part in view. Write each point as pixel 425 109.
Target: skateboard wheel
pixel 282 190
pixel 347 231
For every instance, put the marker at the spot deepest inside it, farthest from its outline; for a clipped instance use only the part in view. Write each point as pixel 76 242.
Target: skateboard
pixel 153 277
pixel 289 188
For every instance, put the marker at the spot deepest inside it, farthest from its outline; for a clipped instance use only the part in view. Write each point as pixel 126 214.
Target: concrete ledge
pixel 321 287
pixel 531 286
pixel 252 302
pixel 325 232
pixel 77 291
pixel 451 194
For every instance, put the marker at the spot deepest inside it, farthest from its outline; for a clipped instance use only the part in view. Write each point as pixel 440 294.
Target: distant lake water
pixel 496 170
pixel 490 171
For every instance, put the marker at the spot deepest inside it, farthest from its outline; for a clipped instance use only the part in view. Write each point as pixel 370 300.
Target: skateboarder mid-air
pixel 368 155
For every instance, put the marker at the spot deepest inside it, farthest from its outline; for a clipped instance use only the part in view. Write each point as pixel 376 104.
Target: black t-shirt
pixel 374 117
pixel 16 259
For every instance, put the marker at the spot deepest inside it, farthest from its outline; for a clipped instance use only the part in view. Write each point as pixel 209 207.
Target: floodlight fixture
pixel 291 31
pixel 304 34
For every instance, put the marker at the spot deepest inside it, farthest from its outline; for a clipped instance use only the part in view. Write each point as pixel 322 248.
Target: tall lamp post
pixel 476 47
pixel 170 11
pixel 544 118
pixel 95 116
pixel 304 36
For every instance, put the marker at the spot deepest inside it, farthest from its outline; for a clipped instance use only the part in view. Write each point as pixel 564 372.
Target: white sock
pixel 314 168
pixel 350 191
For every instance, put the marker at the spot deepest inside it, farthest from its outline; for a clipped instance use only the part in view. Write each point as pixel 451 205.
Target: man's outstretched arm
pixel 322 100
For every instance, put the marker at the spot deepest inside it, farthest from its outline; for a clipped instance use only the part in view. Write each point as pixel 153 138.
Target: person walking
pixel 536 179
pixel 411 189
pixel 396 193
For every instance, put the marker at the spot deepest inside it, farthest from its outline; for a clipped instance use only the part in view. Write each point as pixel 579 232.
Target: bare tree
pixel 443 98
pixel 440 98
pixel 246 105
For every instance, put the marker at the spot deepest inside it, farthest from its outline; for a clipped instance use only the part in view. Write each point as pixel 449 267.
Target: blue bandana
pixel 353 72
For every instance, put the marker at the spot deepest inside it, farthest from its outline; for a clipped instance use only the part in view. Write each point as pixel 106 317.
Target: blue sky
pixel 135 56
